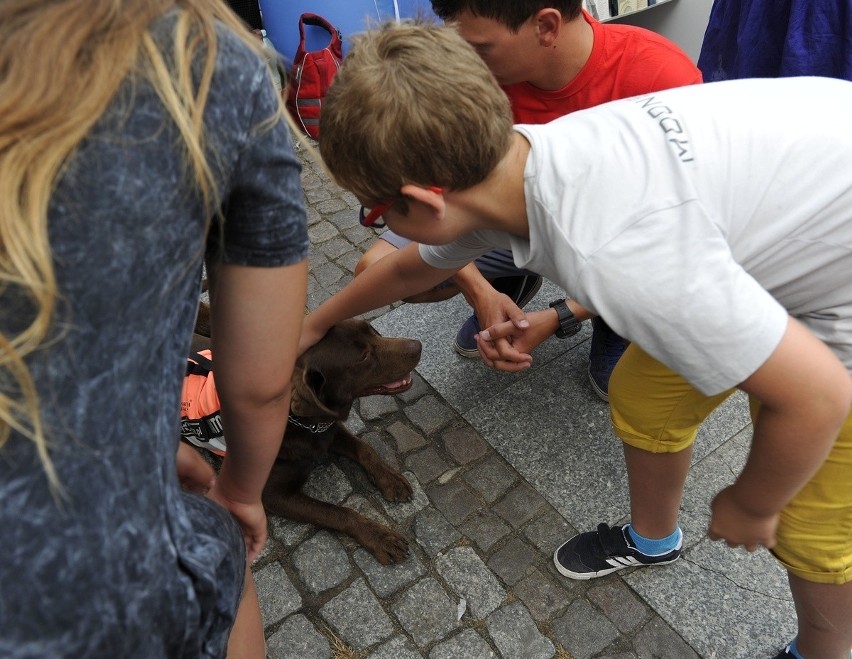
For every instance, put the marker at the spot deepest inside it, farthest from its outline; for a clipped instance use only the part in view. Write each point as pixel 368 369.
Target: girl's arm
pixel 256 319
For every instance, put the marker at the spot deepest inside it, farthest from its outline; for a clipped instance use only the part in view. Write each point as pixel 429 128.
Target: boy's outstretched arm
pixel 805 394
pixel 390 279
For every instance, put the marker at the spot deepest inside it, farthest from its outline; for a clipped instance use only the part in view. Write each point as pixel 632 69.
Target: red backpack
pixel 312 73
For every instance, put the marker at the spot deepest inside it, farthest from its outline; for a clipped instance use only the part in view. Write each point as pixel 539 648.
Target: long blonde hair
pixel 61 63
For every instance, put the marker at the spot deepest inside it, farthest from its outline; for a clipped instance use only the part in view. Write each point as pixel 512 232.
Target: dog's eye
pixel 365 356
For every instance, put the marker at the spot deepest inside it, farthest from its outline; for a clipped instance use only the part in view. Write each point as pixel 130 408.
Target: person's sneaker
pixel 598 553
pixel 607 348
pixel 785 654
pixel 465 343
pixel 521 288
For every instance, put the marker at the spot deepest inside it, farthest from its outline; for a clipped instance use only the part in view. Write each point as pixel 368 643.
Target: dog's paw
pixel 394 487
pixel 387 546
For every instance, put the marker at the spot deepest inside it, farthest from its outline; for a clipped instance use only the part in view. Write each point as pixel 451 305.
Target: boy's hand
pixel 495 308
pixel 507 346
pixel 733 523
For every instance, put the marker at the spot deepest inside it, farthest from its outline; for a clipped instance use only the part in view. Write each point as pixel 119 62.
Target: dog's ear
pixel 307 399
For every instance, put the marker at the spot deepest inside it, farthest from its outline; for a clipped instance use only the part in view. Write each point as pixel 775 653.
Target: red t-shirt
pixel 625 61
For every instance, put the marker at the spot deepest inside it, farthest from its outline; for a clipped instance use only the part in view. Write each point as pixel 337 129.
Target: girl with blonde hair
pixel 136 137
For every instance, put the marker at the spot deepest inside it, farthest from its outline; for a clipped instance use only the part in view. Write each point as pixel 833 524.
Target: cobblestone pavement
pixel 479 581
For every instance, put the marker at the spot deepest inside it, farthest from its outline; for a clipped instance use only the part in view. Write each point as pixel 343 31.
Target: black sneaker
pixel 607 348
pixel 598 553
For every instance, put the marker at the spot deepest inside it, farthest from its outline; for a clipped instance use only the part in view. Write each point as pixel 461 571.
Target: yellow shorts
pixel 655 409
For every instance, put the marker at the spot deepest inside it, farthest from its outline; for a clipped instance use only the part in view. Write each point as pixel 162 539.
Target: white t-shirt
pixel 694 219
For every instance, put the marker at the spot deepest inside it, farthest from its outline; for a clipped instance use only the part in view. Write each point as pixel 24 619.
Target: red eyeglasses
pixel 371 217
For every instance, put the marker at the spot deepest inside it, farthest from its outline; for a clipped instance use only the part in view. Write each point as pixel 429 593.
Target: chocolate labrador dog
pixel 351 361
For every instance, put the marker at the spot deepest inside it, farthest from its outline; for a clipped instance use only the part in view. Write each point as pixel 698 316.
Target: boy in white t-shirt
pixel 724 253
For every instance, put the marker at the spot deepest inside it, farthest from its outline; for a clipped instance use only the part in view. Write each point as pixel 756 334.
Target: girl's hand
pixel 250 516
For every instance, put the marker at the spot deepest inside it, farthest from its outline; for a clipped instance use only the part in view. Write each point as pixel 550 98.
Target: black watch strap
pixel 568 325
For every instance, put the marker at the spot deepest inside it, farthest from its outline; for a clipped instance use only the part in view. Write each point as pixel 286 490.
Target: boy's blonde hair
pixel 413 103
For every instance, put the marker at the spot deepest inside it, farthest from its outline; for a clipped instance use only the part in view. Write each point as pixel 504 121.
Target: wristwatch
pixel 568 325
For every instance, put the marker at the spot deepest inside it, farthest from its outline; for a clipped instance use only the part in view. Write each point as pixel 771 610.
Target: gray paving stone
pixel 433 532
pixel 516 635
pixel 355 424
pixel 426 612
pixel 317 195
pixel 321 562
pixel 491 478
pixel 288 532
pixel 512 561
pixel 398 647
pixel 745 595
pixel 427 464
pixel 419 388
pixel 385 580
pixel 454 500
pixel 377 441
pixel 328 274
pixel 466 644
pixel 277 594
pixel 429 414
pixel 336 247
pixel 485 529
pixel 297 638
pixel 519 505
pixel 656 639
pixel 321 231
pixel 327 482
pixel 375 407
pixel 464 444
pixel 620 604
pixel 470 578
pixel 406 439
pixel 357 616
pixel 348 261
pixel 543 595
pixel 583 630
pixel 330 206
pixel 548 531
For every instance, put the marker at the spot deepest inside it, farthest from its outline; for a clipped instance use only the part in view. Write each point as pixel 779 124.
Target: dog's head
pixel 350 361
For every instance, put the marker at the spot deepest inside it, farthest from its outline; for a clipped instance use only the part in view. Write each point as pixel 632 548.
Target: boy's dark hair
pixel 511 13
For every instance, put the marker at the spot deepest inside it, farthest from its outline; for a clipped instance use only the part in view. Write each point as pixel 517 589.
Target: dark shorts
pixel 492 265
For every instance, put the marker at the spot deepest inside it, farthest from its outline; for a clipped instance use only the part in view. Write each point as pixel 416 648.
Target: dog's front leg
pixel 393 485
pixel 385 544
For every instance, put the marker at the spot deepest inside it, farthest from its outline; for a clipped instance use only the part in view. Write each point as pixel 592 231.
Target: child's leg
pixel 656 413
pixel 824 612
pixel 656 483
pixel 246 640
pixel 815 545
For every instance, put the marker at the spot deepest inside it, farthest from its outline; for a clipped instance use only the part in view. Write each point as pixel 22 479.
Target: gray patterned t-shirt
pixel 128 565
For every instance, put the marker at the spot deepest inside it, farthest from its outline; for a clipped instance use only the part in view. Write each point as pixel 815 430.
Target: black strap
pixel 198 364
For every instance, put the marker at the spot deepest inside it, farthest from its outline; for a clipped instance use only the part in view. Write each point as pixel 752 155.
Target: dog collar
pixel 315 428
